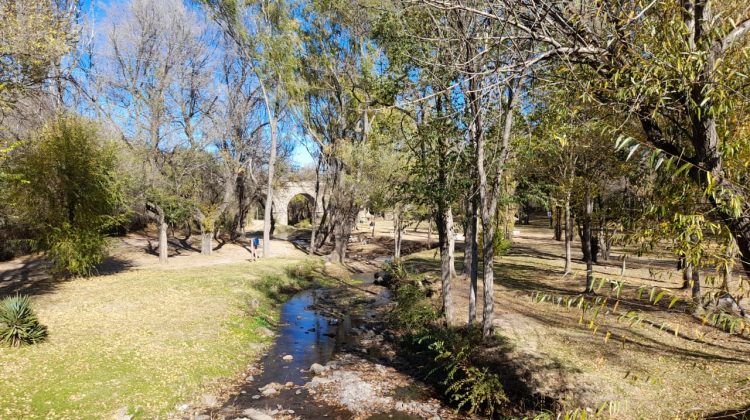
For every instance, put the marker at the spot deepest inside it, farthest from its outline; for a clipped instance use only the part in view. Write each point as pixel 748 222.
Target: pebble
pixel 288 358
pixel 254 414
pixel 269 392
pixel 256 397
pixel 210 400
pixel 317 369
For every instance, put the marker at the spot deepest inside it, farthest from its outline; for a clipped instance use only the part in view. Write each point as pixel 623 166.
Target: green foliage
pixel 303 224
pixel 447 353
pixel 18 323
pixel 500 243
pixel 307 274
pixel 76 251
pixel 33 37
pixel 70 194
pixel 414 311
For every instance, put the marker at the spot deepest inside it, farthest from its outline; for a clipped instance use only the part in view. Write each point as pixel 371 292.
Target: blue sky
pixel 300 156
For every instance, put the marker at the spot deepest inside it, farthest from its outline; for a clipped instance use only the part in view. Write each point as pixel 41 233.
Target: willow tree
pixel 674 67
pixel 340 113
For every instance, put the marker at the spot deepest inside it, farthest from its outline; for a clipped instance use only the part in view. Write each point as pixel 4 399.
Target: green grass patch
pixel 146 339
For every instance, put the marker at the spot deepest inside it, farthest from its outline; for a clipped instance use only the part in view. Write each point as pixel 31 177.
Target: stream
pixel 330 360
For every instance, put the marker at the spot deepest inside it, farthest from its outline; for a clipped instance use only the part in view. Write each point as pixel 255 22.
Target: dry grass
pixel 643 370
pixel 142 340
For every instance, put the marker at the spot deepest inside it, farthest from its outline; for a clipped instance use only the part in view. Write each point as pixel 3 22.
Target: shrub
pixel 76 251
pixel 304 224
pixel 449 357
pixel 499 243
pixel 445 353
pixel 69 191
pixel 18 323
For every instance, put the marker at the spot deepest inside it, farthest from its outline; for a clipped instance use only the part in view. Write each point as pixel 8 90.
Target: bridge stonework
pixel 283 195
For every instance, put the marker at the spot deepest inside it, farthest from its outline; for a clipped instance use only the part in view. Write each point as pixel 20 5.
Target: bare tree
pixel 150 47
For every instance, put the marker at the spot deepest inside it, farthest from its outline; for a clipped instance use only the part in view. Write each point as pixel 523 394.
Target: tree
pixel 68 193
pixel 34 36
pixel 266 34
pixel 337 113
pixel 673 66
pixel 151 71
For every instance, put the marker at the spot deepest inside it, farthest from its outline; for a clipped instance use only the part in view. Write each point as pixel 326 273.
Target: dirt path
pixel 33 274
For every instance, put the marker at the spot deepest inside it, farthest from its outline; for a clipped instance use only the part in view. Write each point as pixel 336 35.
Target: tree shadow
pixel 33 276
pixel 36 275
pixel 742 413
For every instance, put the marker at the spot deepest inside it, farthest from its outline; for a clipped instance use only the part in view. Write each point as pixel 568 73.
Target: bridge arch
pixel 284 194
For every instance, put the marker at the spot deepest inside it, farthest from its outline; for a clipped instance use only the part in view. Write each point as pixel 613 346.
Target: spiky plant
pixel 18 323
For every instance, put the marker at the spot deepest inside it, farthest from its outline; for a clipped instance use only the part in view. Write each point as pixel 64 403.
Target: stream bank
pixel 333 359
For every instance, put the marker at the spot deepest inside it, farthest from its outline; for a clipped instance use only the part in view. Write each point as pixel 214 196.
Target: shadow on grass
pixel 458 364
pixel 37 276
pixel 736 414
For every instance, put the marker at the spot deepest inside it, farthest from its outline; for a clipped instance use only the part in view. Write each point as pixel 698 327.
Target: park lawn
pixel 144 340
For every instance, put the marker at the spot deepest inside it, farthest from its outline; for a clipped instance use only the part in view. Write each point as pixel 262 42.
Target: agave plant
pixel 18 323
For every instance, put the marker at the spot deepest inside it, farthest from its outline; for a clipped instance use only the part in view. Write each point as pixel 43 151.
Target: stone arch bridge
pixel 284 194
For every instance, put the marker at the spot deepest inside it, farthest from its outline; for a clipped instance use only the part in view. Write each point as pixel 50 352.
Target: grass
pixel 643 371
pixel 145 340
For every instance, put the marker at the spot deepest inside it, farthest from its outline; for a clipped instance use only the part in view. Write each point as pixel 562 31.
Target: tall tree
pixel 266 34
pixel 672 66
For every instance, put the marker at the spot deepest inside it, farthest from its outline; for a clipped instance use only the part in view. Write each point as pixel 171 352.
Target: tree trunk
pixel 451 244
pixel 568 236
pixel 471 261
pixel 695 289
pixel 314 216
pixel 488 195
pixel 586 240
pixel 397 232
pixel 156 213
pixel 163 244
pixel 341 231
pixel 206 243
pixel 441 220
pixel 271 162
pixel 687 275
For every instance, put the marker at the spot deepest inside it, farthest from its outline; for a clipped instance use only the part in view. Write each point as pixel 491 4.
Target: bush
pixel 500 244
pixel 18 323
pixel 445 353
pixel 304 224
pixel 68 193
pixel 448 356
pixel 76 251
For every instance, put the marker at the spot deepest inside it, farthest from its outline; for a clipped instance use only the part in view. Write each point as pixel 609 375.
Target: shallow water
pixel 305 334
pixel 309 335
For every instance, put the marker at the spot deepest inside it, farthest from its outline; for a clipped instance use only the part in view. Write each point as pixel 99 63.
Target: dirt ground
pixel 654 362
